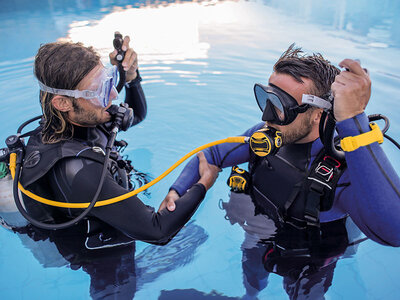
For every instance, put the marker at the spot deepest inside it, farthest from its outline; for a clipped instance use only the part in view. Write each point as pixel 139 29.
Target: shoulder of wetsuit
pixel 40 158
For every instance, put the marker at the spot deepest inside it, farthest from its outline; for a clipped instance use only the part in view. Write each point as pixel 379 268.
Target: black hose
pixel 322 126
pixel 376 117
pixel 392 140
pixel 26 123
pixel 329 141
pixel 327 130
pixel 122 77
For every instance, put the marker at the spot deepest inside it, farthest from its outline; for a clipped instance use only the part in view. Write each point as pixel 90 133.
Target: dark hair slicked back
pixel 295 63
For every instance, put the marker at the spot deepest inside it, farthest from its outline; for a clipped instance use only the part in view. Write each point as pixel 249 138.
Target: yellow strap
pixel 13 159
pixel 352 143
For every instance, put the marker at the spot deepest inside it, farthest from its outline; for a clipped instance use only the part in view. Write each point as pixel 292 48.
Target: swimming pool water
pixel 199 61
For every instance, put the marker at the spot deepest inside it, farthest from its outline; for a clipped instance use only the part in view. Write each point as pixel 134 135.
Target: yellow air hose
pixel 13 159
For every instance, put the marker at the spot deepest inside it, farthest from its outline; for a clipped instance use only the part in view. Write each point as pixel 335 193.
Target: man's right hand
pixel 130 62
pixel 208 175
pixel 351 90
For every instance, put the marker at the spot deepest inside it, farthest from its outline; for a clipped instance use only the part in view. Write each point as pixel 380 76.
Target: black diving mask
pixel 278 106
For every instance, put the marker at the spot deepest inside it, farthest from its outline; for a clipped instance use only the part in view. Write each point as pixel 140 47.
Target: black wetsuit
pixel 75 179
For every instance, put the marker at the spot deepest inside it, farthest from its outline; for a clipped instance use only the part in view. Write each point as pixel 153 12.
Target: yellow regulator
pixel 266 141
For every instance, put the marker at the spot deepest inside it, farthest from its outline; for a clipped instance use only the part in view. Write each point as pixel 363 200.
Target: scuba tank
pixel 10 217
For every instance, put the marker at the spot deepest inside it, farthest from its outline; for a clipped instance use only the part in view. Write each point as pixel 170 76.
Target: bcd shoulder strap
pixel 321 183
pixel 317 188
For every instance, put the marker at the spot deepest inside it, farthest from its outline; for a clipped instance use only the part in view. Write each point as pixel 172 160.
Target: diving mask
pixel 281 108
pixel 100 96
pixel 278 106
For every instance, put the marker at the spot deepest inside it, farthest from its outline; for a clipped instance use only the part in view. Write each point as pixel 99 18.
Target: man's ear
pixel 62 103
pixel 317 113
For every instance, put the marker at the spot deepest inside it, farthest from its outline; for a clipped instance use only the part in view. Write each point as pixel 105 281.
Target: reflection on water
pixel 376 20
pixel 162 21
pixel 114 272
pixel 176 39
pixel 181 33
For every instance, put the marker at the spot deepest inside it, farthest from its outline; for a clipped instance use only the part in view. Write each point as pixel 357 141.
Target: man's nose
pixel 113 94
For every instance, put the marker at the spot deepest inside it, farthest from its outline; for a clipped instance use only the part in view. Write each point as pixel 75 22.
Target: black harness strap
pixel 318 189
pixel 322 180
pixel 293 196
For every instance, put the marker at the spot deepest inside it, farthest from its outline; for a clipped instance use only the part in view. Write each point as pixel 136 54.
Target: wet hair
pixel 61 65
pixel 295 63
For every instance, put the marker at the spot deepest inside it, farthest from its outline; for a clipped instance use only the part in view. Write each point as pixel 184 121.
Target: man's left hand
pixel 351 89
pixel 130 62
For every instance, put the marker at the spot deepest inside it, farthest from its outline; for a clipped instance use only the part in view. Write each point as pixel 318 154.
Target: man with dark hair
pixel 65 156
pixel 295 215
pixel 302 186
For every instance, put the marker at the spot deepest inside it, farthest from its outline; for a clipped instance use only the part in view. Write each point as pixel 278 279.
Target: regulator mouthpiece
pixel 266 141
pixel 122 116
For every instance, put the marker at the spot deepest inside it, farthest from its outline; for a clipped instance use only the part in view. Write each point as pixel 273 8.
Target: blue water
pixel 199 61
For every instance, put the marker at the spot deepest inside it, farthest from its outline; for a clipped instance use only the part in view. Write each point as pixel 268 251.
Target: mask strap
pixel 316 101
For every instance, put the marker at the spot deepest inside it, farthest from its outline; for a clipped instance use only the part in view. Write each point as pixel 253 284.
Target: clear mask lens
pixel 108 86
pixel 100 96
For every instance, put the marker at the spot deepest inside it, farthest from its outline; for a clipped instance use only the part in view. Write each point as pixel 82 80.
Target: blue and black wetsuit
pixel 65 172
pixel 368 191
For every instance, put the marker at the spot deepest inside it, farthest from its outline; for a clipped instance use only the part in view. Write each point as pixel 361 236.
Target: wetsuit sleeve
pixel 373 198
pixel 77 179
pixel 136 99
pixel 223 155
